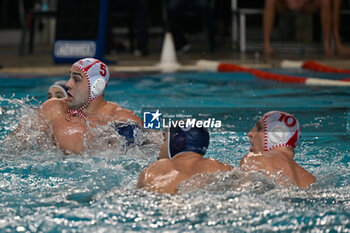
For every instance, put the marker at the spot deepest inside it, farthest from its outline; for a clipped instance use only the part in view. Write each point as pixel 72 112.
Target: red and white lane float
pixel 314 66
pixel 214 66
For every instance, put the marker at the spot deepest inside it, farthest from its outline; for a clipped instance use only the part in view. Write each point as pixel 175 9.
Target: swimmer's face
pixel 78 89
pixel 55 92
pixel 256 137
pixel 163 152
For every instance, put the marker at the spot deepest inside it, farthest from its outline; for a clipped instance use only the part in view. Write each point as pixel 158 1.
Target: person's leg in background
pixel 324 6
pixel 271 6
pixel 330 20
pixel 326 22
pixel 339 47
pixel 176 9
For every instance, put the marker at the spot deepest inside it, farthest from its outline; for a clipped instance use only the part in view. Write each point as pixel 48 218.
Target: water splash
pixel 45 191
pixel 19 128
pixel 20 134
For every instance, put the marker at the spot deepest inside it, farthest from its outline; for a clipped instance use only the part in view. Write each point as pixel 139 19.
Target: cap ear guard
pixel 98 87
pixel 278 133
pixel 281 129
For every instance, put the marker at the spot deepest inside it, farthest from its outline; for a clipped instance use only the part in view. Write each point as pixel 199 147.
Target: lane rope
pixel 314 66
pixel 214 66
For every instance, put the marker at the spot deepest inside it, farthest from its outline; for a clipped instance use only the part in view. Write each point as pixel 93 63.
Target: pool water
pixel 45 191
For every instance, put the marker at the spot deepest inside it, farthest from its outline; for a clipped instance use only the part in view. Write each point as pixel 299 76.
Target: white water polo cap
pixel 281 129
pixel 97 74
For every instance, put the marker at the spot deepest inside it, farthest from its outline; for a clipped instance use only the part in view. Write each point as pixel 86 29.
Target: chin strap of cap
pixel 77 112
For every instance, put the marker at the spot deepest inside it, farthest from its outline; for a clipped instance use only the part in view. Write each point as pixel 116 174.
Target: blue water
pixel 41 190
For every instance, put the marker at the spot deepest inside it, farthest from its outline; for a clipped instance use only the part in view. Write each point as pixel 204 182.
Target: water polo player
pixel 273 140
pixel 67 121
pixel 180 157
pixel 58 90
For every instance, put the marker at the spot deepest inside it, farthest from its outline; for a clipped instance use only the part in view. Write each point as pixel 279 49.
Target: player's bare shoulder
pixel 161 166
pixel 214 165
pixel 119 113
pixel 277 160
pixel 53 107
pixel 252 161
pixel 156 169
pixel 252 157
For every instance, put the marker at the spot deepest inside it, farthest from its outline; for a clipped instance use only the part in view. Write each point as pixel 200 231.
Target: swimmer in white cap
pixel 67 121
pixel 180 158
pixel 57 90
pixel 273 140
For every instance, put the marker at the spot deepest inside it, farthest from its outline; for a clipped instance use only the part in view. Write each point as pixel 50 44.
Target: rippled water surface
pixel 42 190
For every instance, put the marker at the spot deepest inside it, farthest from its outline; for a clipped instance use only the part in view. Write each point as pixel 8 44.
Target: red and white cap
pixel 97 74
pixel 281 129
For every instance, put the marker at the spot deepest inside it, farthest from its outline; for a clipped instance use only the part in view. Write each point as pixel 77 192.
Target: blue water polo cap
pixel 189 139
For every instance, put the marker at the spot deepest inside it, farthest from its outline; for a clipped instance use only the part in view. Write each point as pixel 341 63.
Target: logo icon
pixel 151 120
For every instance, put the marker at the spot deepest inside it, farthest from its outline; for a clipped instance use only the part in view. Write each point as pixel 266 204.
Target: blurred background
pixel 47 32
